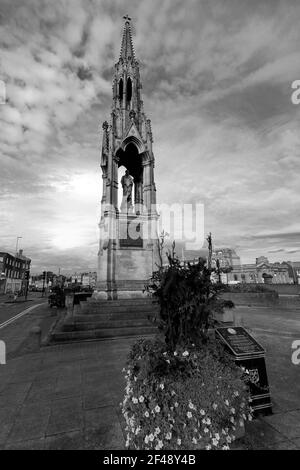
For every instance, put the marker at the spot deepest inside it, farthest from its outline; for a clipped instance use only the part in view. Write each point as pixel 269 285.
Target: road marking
pixel 12 319
pixel 275 332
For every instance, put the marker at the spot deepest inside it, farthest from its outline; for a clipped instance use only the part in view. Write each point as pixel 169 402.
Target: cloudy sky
pixel 217 86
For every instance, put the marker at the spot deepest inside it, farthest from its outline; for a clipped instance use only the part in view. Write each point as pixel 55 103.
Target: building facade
pixel 12 271
pixel 232 271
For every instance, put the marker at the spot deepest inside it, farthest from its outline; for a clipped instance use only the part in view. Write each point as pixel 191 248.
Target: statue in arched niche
pixel 127 185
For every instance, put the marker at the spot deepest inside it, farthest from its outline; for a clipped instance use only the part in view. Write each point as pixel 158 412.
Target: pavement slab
pixel 67 396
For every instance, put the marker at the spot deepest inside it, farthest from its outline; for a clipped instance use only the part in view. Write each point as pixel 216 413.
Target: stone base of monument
pixel 103 319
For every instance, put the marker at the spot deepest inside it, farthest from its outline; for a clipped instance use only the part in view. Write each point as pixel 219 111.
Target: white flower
pixel 165 353
pixel 176 404
pixel 206 430
pixel 159 445
pixel 189 414
pixel 146 414
pixel 141 399
pixel 215 442
pixel 167 360
pixel 208 447
pixel 225 448
pixel 217 436
pixel 226 402
pixel 185 353
pixel 191 406
pixel 179 442
pixel 168 436
pixel 228 439
pixel 175 353
pixel 135 400
pixel 215 406
pixel 157 409
pixel 157 430
pixel 146 439
pixel 249 417
pixel 173 393
pixel 162 386
pixel 232 410
pixel 194 440
pixel 151 437
pixel 208 421
pixel 236 393
pixel 232 419
pixel 202 412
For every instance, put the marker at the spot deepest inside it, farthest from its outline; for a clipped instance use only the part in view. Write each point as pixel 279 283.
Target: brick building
pixel 12 271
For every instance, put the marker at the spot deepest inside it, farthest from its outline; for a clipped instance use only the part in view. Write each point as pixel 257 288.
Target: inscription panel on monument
pixel 130 234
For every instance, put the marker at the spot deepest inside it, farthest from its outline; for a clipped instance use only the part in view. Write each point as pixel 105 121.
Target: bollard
pixel 69 303
pixel 34 342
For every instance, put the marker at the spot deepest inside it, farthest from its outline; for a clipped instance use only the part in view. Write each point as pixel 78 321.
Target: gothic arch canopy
pixel 131 139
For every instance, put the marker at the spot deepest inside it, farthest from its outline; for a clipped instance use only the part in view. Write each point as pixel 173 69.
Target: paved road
pixel 276 329
pixel 10 309
pixel 17 319
pixel 66 396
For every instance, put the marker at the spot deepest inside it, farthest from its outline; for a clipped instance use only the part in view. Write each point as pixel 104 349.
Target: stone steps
pixel 114 309
pixel 99 319
pixel 100 316
pixel 104 333
pixel 118 306
pixel 120 303
pixel 105 324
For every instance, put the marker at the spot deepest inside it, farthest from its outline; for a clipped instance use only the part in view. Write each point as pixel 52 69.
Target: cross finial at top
pixel 126 18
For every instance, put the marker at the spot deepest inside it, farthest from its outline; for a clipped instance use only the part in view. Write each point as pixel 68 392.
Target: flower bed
pixel 184 392
pixel 190 398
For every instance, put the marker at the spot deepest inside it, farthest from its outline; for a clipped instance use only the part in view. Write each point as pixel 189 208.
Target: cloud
pixel 216 85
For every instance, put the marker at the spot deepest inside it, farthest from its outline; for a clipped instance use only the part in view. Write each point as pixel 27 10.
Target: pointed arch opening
pixel 129 159
pixel 121 87
pixel 129 90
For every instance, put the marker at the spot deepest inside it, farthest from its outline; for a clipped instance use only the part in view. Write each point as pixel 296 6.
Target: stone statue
pixel 127 184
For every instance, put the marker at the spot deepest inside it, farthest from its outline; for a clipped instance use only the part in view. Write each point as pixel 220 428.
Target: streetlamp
pixel 18 238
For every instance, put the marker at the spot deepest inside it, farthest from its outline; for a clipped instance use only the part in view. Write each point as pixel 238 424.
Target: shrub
pixel 183 392
pixel 187 300
pixel 188 399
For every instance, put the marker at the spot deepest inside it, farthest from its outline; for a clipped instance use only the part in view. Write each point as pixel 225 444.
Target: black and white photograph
pixel 150 228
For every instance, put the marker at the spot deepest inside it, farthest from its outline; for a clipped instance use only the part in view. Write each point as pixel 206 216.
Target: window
pixel 121 89
pixel 129 90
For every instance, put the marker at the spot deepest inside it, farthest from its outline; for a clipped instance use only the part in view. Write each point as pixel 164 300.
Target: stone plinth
pixel 126 263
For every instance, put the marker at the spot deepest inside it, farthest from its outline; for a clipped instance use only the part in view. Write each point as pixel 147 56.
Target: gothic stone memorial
pixel 249 354
pixel 128 228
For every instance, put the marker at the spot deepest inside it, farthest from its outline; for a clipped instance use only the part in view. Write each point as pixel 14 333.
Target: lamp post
pixel 17 243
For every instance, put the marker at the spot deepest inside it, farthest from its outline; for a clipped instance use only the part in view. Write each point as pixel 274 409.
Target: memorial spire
pixel 127 46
